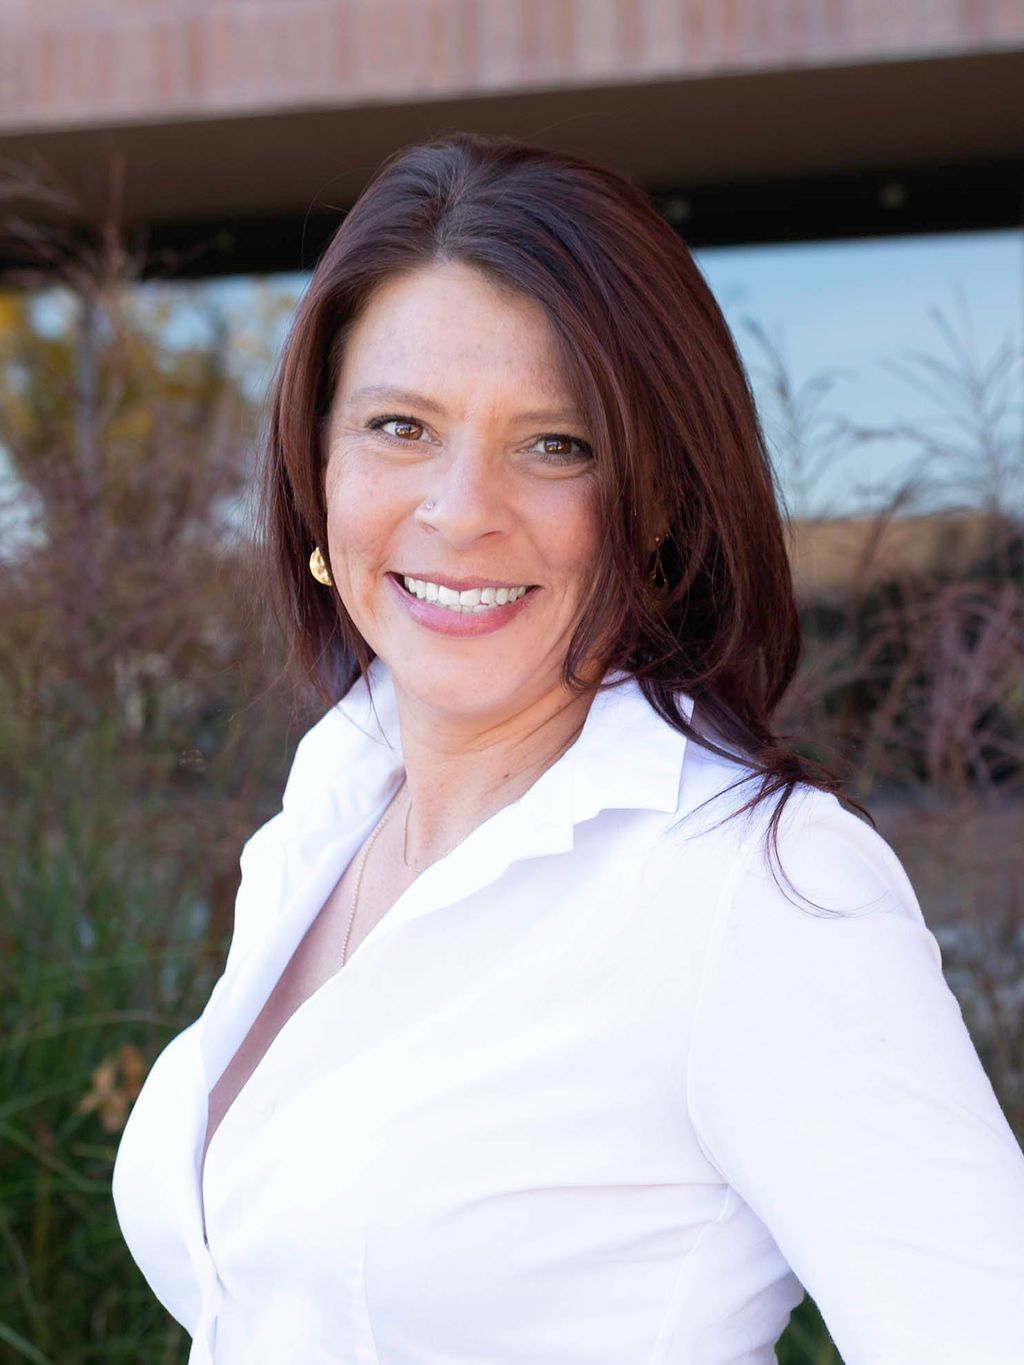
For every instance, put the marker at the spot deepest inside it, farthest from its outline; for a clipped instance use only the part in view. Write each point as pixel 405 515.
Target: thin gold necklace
pixel 364 854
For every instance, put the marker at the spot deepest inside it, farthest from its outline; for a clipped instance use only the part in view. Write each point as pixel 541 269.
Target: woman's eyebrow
pixel 420 400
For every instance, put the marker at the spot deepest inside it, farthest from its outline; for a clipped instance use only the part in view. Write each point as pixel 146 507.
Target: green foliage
pixel 806 1340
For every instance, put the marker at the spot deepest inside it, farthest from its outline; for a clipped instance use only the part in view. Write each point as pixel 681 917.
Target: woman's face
pixel 455 459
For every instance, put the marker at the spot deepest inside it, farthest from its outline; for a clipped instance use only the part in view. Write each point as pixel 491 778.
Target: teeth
pixel 475 600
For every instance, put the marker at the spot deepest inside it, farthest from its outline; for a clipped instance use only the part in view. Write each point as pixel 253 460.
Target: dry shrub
pixel 913 672
pixel 140 743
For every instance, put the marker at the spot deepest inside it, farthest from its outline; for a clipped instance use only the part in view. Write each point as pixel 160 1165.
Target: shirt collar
pixel 626 757
pixel 348 765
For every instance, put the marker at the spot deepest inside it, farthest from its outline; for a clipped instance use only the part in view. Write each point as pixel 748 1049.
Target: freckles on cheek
pixel 362 519
pixel 573 532
pixel 350 495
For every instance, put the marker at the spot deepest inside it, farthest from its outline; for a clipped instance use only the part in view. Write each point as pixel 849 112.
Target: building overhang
pixel 871 147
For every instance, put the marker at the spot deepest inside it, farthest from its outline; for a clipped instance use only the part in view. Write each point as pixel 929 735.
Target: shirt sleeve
pixel 834 1085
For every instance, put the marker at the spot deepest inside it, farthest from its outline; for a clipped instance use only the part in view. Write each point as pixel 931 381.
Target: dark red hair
pixel 677 442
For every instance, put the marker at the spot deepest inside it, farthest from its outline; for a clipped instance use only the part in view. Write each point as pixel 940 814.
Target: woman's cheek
pixel 359 511
pixel 573 530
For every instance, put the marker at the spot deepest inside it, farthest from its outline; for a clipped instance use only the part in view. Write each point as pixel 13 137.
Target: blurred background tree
pixel 140 748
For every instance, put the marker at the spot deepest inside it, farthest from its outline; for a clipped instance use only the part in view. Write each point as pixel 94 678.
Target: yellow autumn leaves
pixel 115 1083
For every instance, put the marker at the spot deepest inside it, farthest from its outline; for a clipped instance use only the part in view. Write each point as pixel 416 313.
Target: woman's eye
pixel 561 447
pixel 556 447
pixel 407 430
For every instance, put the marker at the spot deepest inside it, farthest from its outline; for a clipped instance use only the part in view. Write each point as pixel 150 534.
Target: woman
pixel 568 1017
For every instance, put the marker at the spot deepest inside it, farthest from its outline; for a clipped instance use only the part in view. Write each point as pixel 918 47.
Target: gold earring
pixel 319 569
pixel 658 577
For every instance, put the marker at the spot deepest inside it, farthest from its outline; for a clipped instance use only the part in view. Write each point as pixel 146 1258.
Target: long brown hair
pixel 677 442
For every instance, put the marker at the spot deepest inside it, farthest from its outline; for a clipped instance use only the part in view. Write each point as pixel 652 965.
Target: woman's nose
pixel 466 497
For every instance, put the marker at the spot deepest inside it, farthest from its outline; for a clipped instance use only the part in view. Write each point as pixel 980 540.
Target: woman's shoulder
pixel 826 858
pixel 262 864
pixel 342 763
pixel 817 856
pixel 265 855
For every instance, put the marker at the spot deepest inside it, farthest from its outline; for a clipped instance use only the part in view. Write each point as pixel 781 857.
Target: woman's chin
pixel 483 692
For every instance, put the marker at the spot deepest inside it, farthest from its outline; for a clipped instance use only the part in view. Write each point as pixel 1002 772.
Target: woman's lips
pixel 460 625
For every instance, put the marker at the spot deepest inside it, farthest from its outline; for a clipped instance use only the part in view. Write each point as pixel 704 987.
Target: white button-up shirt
pixel 594 1091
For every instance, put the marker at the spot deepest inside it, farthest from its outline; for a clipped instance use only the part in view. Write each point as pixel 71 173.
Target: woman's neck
pixel 459 772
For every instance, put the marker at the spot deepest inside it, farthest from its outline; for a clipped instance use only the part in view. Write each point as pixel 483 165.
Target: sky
pixel 854 306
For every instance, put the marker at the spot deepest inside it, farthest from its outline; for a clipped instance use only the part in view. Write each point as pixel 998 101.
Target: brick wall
pixel 95 62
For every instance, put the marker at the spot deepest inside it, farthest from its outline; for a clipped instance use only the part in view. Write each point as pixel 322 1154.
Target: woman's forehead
pixel 447 330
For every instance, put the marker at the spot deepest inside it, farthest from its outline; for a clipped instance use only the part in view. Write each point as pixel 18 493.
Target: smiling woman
pixel 523 1050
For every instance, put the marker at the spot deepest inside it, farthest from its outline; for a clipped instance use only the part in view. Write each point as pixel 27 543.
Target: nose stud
pixel 428 506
